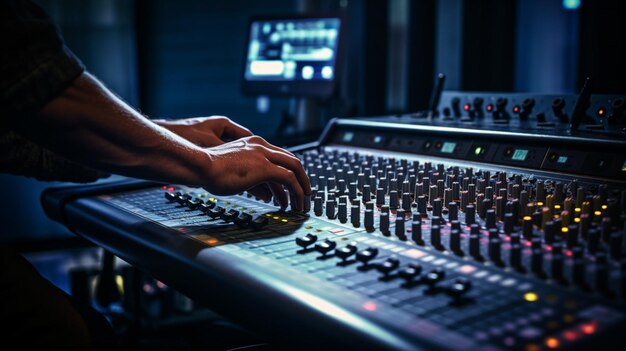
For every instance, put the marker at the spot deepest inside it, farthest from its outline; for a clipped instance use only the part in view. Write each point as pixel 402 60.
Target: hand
pixel 206 131
pixel 253 164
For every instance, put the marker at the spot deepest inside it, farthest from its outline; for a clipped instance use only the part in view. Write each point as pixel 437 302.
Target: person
pixel 60 123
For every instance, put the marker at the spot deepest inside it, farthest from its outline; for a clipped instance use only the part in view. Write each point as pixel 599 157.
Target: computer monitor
pixel 294 56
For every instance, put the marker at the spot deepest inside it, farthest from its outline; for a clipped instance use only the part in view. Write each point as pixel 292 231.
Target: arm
pixel 88 124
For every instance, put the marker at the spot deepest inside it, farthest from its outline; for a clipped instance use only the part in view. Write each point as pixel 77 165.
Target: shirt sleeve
pixel 35 64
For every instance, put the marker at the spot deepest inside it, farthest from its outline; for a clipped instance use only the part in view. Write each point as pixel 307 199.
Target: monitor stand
pixel 301 116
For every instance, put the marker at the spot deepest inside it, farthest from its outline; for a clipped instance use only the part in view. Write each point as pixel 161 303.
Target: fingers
pixel 261 191
pixel 233 130
pixel 294 165
pixel 286 177
pixel 279 195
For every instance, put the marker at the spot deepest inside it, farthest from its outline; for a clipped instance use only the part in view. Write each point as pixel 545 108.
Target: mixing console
pixel 415 237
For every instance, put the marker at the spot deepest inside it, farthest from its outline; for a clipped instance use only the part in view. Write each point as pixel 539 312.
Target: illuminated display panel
pixel 292 56
pixel 519 155
pixel 448 147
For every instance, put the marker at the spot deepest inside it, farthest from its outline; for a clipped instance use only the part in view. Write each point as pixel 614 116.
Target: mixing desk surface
pixel 415 237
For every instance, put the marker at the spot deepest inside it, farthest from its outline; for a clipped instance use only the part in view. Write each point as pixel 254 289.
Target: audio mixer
pixel 418 235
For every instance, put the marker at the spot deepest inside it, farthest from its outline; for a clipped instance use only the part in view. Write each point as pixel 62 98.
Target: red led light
pixel 515 109
pixel 570 335
pixel 589 328
pixel 489 107
pixel 548 248
pixel 171 188
pixel 164 187
pixel 568 253
pixel 370 306
pixel 466 107
pixel 601 112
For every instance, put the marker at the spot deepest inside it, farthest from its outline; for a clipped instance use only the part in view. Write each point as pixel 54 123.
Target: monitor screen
pixel 292 56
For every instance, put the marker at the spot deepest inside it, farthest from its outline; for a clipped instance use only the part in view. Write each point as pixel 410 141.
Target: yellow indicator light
pixel 539 203
pixel 268 215
pixel 556 216
pixel 119 281
pixel 531 296
pixel 604 207
pixel 212 199
pixel 564 230
pixel 597 213
pixel 577 209
pixel 283 220
pixel 576 220
pixel 275 217
pixel 527 218
pixel 478 150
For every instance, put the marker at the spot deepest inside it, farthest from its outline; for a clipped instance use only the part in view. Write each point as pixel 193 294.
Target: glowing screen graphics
pixel 293 50
pixel 519 155
pixel 448 147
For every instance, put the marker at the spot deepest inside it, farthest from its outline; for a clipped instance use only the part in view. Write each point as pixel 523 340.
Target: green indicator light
pixel 478 150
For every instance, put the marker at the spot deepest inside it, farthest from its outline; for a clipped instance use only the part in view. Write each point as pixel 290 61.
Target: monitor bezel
pixel 299 88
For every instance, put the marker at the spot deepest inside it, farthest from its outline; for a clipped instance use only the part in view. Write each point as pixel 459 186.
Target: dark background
pixel 175 59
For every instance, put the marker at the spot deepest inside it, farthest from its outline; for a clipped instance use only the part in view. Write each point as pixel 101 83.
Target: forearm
pixel 90 125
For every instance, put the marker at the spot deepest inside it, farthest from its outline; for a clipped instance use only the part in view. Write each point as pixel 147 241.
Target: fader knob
pixel 410 272
pixel 494 251
pixel 393 199
pixel 368 220
pixel 515 258
pixel 460 287
pixel 388 266
pixel 365 256
pixel 346 252
pixel 306 241
pixel 434 276
pixel 325 247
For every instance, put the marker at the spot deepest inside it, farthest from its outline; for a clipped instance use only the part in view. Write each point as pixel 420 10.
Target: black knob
pixel 400 226
pixel 342 214
pixel 346 252
pixel 216 212
pixel 557 268
pixel 470 214
pixel 494 252
pixel 474 247
pixel 380 196
pixel 229 216
pixel 243 219
pixel 410 272
pixel 515 258
pixel 355 215
pixel 325 247
pixel 170 196
pixel 368 220
pixel 527 107
pixel 578 273
pixel 557 107
pixel 306 241
pixel 193 203
pixel 456 106
pixel 330 209
pixel 459 287
pixel 182 198
pixel 453 211
pixel 205 207
pixel 435 237
pixel 455 242
pixel 416 232
pixel 388 266
pixel 393 199
pixel 433 277
pixel 259 222
pixel 365 256
pixel 317 206
pixel 384 223
pixel 536 262
pixel 490 221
